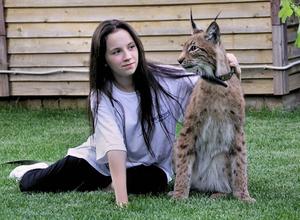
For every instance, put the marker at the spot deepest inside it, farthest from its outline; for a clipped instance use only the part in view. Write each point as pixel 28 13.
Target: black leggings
pixel 72 173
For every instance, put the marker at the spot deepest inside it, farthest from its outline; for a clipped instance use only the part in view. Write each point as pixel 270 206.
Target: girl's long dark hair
pixel 146 85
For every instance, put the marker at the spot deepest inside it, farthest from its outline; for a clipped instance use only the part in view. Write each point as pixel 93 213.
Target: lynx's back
pixel 210 153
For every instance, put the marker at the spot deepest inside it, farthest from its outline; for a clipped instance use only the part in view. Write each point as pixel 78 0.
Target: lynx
pixel 210 152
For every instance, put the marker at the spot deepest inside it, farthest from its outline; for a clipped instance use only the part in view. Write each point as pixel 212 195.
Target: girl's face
pixel 121 54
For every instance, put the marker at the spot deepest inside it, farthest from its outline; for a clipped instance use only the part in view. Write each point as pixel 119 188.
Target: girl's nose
pixel 127 55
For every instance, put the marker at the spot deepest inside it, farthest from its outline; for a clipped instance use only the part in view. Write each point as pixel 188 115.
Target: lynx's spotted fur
pixel 210 153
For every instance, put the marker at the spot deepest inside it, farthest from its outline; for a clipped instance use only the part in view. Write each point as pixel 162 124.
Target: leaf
pixel 286 10
pixel 297 42
pixel 296 10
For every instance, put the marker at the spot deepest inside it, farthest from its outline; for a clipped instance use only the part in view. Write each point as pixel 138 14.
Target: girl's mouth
pixel 129 65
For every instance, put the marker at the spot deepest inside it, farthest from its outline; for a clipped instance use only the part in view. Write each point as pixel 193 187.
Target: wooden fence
pixel 46 35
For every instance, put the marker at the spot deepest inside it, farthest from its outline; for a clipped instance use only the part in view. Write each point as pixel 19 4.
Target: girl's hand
pixel 122 204
pixel 233 62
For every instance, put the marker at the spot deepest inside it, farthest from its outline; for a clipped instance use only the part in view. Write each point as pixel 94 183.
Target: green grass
pixel 273 140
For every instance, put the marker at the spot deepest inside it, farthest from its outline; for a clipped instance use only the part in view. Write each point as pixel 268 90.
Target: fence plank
pixel 68 3
pixel 49 88
pixel 78 77
pixel 294 81
pixel 66 76
pixel 152 28
pixel 280 57
pixel 293 51
pixel 292 33
pixel 154 13
pixel 250 86
pixel 281 86
pixel 166 57
pixel 257 86
pixel 4 87
pixel 160 43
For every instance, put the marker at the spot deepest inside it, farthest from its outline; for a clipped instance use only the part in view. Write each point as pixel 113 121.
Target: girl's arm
pixel 110 148
pixel 117 166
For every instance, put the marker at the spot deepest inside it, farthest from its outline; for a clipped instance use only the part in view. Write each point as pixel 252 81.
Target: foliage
pixel 288 9
pixel 273 154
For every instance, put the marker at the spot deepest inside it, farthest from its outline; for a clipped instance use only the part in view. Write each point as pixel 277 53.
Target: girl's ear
pixel 213 33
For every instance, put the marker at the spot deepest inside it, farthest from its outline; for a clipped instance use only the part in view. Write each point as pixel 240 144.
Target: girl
pixel 135 106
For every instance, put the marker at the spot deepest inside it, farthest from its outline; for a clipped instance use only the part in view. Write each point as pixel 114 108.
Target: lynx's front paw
pixel 179 195
pixel 249 200
pixel 171 193
pixel 244 197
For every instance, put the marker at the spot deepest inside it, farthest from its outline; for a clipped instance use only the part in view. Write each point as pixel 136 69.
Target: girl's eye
pixel 115 52
pixel 132 46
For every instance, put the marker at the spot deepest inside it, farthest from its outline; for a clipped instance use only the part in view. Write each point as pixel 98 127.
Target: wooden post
pixel 4 87
pixel 280 55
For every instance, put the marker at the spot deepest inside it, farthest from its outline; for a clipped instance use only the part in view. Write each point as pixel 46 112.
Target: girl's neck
pixel 124 84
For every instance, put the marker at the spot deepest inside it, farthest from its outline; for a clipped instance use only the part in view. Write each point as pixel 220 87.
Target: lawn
pixel 273 139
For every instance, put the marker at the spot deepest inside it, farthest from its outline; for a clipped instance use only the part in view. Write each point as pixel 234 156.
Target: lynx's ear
pixel 194 26
pixel 213 33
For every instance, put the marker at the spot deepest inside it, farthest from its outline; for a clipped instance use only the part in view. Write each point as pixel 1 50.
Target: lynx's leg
pixel 238 157
pixel 184 158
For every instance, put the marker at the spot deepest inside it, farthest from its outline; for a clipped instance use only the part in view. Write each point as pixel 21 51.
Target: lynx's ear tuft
pixel 217 16
pixel 194 26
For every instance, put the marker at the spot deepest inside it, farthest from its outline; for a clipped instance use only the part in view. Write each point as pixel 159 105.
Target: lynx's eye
pixel 193 48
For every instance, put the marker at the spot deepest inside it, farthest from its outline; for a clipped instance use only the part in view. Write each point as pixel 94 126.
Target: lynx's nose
pixel 180 58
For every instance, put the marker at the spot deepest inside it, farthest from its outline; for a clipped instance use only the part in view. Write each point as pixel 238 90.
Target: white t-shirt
pixel 118 128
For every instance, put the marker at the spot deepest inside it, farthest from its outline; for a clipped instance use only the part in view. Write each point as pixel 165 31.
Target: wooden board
pixel 3 52
pixel 78 77
pixel 66 76
pixel 146 13
pixel 257 74
pixel 293 70
pixel 294 81
pixel 82 59
pixel 280 58
pixel 294 78
pixel 70 88
pixel 293 51
pixel 49 88
pixel 4 87
pixel 49 60
pixel 147 28
pixel 291 34
pixel 161 43
pixel 258 86
pixel 243 56
pixel 68 3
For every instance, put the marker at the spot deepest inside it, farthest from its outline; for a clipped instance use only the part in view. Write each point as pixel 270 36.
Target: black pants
pixel 72 173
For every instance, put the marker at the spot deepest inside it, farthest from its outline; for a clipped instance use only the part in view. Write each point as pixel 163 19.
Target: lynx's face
pixel 205 55
pixel 198 56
